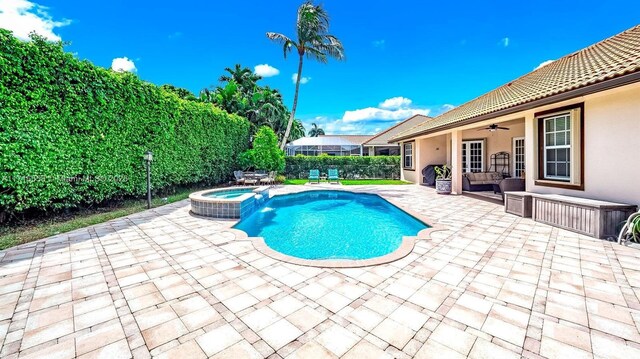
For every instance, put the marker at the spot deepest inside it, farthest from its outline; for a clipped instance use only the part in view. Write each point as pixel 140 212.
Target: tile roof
pixel 382 138
pixel 608 59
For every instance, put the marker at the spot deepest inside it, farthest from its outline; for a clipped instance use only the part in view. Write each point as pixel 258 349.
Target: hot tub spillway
pixel 205 203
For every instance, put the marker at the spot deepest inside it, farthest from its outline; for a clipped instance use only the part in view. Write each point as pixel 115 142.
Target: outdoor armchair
pixel 314 176
pixel 333 175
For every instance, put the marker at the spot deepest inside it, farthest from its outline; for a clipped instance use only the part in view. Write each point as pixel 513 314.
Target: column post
pixel 456 161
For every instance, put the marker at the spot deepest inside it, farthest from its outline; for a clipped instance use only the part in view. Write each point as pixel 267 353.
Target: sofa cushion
pixel 483 176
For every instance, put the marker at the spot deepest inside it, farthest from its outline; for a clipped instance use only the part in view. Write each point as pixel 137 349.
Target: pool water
pixel 232 193
pixel 331 225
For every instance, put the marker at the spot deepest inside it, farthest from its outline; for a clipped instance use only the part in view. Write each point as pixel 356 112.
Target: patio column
pixel 456 161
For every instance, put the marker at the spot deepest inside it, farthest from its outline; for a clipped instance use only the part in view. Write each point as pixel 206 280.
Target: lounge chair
pixel 270 179
pixel 239 176
pixel 333 175
pixel 314 176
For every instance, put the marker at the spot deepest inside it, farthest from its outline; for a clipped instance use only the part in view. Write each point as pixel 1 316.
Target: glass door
pixel 473 156
pixel 518 156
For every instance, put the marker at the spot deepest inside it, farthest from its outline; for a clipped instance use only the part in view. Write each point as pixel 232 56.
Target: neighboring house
pixel 573 127
pixel 333 145
pixel 379 145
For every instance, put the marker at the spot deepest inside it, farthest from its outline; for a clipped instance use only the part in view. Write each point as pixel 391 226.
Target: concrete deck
pixel 166 284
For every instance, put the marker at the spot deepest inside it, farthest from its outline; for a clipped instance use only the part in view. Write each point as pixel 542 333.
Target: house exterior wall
pixel 427 151
pixel 611 145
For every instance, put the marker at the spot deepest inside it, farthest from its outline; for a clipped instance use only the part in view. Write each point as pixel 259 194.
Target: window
pixel 557 147
pixel 518 156
pixel 560 137
pixel 473 156
pixel 408 155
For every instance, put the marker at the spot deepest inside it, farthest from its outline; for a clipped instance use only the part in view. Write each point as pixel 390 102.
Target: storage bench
pixel 518 203
pixel 594 218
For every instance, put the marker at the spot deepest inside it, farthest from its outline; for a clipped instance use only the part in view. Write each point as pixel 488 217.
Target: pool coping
pixel 405 248
pixel 200 195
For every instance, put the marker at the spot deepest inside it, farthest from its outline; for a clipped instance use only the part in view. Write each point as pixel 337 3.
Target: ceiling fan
pixel 494 128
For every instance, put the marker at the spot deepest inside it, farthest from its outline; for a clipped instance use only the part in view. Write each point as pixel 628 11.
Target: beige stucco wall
pixel 427 151
pixel 612 144
pixel 612 147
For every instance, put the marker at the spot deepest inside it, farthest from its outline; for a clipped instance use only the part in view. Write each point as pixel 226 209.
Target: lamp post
pixel 148 157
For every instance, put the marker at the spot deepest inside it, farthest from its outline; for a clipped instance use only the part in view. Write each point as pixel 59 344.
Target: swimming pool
pixel 318 225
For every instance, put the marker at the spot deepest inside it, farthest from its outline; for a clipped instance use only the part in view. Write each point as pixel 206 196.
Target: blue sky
pixel 403 57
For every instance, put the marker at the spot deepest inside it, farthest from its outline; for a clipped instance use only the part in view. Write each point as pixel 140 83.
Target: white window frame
pixel 515 156
pixel 467 154
pixel 405 155
pixel 569 146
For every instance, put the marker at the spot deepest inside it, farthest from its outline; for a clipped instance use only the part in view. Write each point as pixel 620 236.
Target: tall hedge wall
pixel 74 133
pixel 348 166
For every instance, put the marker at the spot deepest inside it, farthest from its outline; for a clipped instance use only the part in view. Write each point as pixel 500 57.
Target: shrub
pixel 348 166
pixel 265 154
pixel 73 133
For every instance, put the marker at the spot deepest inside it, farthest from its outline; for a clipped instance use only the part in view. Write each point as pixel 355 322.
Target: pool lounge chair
pixel 314 176
pixel 333 175
pixel 239 176
pixel 270 179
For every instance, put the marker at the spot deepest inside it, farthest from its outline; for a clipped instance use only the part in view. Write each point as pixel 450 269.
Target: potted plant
pixel 443 179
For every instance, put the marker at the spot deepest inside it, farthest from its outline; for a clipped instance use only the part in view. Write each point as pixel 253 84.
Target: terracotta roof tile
pixel 616 56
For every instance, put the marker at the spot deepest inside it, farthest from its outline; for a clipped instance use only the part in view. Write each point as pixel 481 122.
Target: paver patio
pixel 164 283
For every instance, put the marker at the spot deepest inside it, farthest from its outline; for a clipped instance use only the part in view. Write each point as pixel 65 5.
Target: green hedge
pixel 73 133
pixel 348 166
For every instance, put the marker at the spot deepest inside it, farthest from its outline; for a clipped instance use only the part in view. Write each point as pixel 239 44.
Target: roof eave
pixel 563 96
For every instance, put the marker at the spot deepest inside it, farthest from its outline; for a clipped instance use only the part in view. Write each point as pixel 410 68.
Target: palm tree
pixel 315 131
pixel 297 130
pixel 314 41
pixel 243 76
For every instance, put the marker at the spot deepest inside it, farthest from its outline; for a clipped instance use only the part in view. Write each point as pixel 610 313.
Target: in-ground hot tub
pixel 230 202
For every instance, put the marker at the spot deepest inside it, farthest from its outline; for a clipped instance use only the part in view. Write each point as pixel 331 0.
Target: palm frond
pixel 287 43
pixel 315 54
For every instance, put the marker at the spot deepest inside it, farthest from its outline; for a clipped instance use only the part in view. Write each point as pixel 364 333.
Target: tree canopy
pixel 239 93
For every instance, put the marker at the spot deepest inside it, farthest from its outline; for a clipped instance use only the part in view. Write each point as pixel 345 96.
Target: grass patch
pixel 348 182
pixel 296 182
pixel 24 233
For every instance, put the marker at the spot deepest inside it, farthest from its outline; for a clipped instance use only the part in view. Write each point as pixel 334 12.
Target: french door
pixel 473 156
pixel 518 156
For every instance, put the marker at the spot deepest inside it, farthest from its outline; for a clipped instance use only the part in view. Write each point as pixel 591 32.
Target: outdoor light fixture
pixel 148 157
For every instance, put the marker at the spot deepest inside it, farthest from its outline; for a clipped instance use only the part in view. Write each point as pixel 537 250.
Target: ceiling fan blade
pixel 502 128
pixel 484 129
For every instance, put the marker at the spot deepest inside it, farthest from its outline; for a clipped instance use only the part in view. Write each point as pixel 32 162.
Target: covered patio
pixel 490 146
pixel 164 283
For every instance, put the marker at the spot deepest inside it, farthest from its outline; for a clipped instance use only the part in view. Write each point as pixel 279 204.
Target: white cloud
pixel 395 103
pixel 392 109
pixel 374 113
pixel 543 64
pixel 23 17
pixel 505 42
pixel 372 120
pixel 448 107
pixel 303 80
pixel 123 64
pixel 265 70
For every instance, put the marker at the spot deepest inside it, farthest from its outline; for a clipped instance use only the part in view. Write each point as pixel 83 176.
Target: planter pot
pixel 443 186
